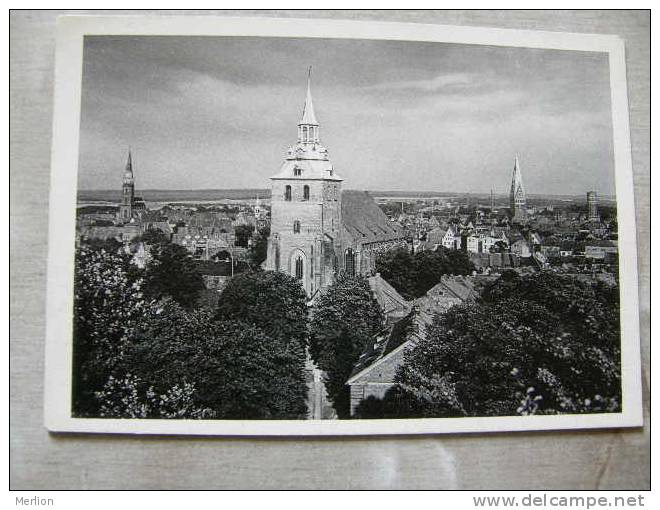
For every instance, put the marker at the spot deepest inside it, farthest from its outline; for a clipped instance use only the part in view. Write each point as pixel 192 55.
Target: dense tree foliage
pixel 145 356
pixel 108 303
pixel 130 397
pixel 153 236
pixel 259 248
pixel 110 245
pixel 541 344
pixel 237 371
pixel 344 320
pixel 243 233
pixel 172 273
pixel 273 301
pixel 412 275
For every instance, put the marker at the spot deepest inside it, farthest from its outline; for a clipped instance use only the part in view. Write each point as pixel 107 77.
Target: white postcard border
pixel 64 164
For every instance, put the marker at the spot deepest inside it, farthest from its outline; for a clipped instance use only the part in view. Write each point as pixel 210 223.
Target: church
pixel 517 200
pixel 131 207
pixel 319 230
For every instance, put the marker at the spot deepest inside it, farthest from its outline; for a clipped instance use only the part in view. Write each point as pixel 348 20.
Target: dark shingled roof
pixel 385 342
pixel 410 328
pixel 364 220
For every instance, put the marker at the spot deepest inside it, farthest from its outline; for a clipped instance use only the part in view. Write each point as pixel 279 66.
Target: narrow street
pixel 319 408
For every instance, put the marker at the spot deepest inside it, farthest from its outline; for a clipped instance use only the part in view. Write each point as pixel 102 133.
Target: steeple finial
pixel 308 116
pixel 516 179
pixel 128 171
pixel 517 199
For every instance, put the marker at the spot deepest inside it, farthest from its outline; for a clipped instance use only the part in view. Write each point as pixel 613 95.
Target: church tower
pixel 128 192
pixel 517 200
pixel 306 208
pixel 592 203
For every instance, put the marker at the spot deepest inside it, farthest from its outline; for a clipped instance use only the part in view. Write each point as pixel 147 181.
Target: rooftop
pixel 364 220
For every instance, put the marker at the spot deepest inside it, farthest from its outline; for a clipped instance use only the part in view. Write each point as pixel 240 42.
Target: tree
pixel 273 301
pixel 127 397
pixel 108 303
pixel 344 320
pixel 238 371
pixel 153 236
pixel 110 245
pixel 243 233
pixel 538 344
pixel 412 275
pixel 259 248
pixel 499 247
pixel 172 272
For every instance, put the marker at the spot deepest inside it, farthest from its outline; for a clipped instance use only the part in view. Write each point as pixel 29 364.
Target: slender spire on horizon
pixel 517 198
pixel 128 171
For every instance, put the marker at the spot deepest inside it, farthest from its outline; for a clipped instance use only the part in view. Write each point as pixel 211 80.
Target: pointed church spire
pixel 518 201
pixel 308 116
pixel 516 178
pixel 128 172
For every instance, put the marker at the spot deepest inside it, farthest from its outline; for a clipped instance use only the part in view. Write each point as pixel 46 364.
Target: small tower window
pixel 287 193
pixel 297 171
pixel 299 268
pixel 306 192
pixel 296 227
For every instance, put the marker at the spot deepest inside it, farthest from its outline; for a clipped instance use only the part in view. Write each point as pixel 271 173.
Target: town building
pixel 373 374
pixel 603 250
pixel 521 248
pixel 318 229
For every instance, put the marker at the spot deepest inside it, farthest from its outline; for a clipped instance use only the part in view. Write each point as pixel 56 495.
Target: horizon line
pixel 347 189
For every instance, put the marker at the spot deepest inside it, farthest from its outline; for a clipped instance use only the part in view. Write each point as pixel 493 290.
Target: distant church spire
pixel 128 192
pixel 517 199
pixel 128 172
pixel 308 127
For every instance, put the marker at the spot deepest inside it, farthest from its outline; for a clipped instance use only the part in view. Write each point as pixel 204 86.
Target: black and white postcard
pixel 302 227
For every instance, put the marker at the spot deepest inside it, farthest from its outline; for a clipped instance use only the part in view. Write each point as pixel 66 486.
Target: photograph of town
pixel 278 228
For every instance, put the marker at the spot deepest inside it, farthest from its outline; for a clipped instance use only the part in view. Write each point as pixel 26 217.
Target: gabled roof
pixel 408 330
pixel 364 220
pixel 438 231
pixel 461 287
pixel 390 301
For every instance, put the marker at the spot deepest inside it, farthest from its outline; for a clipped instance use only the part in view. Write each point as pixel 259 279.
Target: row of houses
pixel 481 239
pixel 406 324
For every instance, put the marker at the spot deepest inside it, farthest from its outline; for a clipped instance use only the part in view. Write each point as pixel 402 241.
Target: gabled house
pixel 374 372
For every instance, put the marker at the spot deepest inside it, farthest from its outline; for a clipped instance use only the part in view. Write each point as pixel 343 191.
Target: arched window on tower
pixel 287 193
pixel 296 227
pixel 349 262
pixel 306 192
pixel 297 171
pixel 299 268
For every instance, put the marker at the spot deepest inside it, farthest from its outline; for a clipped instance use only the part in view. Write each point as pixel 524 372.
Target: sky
pixel 220 112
